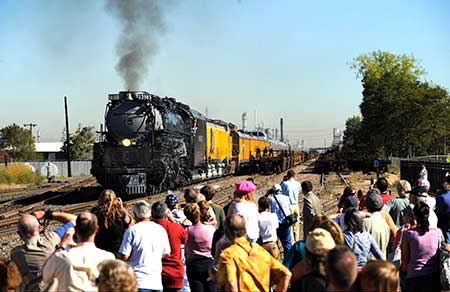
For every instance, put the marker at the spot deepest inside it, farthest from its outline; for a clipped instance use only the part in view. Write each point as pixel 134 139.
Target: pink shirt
pixel 423 251
pixel 199 241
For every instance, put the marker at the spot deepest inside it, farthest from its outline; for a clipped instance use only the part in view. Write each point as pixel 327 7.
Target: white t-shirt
pixel 268 224
pixel 145 243
pixel 249 211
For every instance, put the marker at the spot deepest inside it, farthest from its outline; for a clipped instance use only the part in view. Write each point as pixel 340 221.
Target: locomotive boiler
pixel 153 144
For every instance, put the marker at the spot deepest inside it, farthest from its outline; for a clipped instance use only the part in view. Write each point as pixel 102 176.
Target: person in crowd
pixel 443 209
pixel 396 207
pixel 209 192
pixel 32 254
pixel 191 196
pixel 382 185
pixel 318 243
pixel 379 276
pixel 299 265
pixel 419 194
pixel 291 188
pixel 297 252
pixel 280 205
pixel 206 214
pixel 348 202
pixel 76 269
pixel 341 269
pixel 376 224
pixel 359 241
pixel 172 266
pixel 10 278
pixel 113 220
pixel 144 245
pixel 420 252
pixel 174 206
pixel 116 275
pixel 198 250
pixel 246 208
pixel 423 174
pixel 246 266
pixel 268 224
pixel 348 192
pixel 311 206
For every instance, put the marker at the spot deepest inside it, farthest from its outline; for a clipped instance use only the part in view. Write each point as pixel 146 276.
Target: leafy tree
pixel 352 140
pixel 81 143
pixel 401 114
pixel 17 142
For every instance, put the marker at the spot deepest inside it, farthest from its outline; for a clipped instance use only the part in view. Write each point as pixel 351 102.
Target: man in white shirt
pixel 143 246
pixel 292 188
pixel 268 224
pixel 76 269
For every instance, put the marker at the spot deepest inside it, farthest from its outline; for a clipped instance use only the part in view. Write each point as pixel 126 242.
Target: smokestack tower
pixel 281 130
pixel 244 121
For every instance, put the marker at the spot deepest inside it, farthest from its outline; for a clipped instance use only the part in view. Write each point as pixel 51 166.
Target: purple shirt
pixel 423 251
pixel 199 241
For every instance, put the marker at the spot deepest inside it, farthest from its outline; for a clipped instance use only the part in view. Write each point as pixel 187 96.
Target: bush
pixel 20 174
pixel 4 177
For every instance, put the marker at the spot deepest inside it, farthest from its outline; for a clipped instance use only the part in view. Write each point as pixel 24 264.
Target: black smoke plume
pixel 142 23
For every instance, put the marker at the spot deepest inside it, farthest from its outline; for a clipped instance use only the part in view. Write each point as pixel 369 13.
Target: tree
pixel 401 113
pixel 352 140
pixel 17 142
pixel 81 143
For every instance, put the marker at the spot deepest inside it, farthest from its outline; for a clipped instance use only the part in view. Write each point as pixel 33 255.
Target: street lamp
pixel 31 125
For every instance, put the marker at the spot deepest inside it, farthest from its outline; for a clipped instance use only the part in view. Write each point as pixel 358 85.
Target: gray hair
pixel 142 209
pixel 403 187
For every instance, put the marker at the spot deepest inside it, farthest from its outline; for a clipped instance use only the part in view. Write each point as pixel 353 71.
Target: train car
pixel 153 144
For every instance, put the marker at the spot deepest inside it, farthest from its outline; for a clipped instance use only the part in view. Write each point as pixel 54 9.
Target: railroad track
pixel 224 196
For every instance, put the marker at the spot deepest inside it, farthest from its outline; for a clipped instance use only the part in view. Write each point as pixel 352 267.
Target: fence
pixel 409 170
pixel 59 168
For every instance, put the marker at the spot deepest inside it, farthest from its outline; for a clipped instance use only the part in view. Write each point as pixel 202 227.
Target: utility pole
pixel 31 125
pixel 69 170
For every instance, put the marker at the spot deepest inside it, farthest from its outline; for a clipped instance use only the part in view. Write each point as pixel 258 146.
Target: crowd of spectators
pixel 374 242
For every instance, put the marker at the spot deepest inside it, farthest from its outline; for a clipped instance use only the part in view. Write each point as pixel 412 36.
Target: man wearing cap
pixel 172 266
pixel 376 224
pixel 292 188
pixel 281 203
pixel 396 207
pixel 174 213
pixel 419 194
pixel 318 243
pixel 245 266
pixel 143 246
pixel 443 208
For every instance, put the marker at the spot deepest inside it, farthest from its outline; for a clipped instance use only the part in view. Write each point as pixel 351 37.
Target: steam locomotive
pixel 153 144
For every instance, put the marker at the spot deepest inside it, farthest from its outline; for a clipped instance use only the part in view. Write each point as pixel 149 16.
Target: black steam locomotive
pixel 153 144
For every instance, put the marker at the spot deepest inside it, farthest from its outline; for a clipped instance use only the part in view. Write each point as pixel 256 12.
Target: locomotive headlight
pixel 126 142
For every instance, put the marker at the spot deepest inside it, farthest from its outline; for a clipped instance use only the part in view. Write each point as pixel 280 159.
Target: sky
pixel 268 58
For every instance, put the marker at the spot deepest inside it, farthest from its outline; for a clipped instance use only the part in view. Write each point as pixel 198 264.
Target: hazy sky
pixel 278 58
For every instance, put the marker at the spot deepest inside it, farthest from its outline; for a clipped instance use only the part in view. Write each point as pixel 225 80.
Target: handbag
pixel 288 219
pixel 396 256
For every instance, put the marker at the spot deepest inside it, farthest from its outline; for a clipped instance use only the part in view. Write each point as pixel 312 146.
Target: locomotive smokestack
pixel 141 23
pixel 281 130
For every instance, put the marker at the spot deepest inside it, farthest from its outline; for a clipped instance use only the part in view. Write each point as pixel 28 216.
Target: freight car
pixel 153 144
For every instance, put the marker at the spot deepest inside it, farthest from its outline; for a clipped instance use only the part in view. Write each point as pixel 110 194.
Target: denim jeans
pixel 284 234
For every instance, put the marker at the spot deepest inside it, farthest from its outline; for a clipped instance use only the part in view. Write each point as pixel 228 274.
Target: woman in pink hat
pixel 244 206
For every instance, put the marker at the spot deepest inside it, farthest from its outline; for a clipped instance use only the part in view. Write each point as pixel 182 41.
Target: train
pixel 151 144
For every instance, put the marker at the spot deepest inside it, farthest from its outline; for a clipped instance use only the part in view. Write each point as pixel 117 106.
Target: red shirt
pixel 172 266
pixel 385 197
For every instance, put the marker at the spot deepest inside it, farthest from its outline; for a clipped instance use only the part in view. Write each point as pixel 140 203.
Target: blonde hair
pixel 116 275
pixel 335 231
pixel 9 275
pixel 205 216
pixel 380 276
pixel 107 209
pixel 192 212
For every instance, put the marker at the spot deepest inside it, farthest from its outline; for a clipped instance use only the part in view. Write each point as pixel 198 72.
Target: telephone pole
pixel 31 125
pixel 69 170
